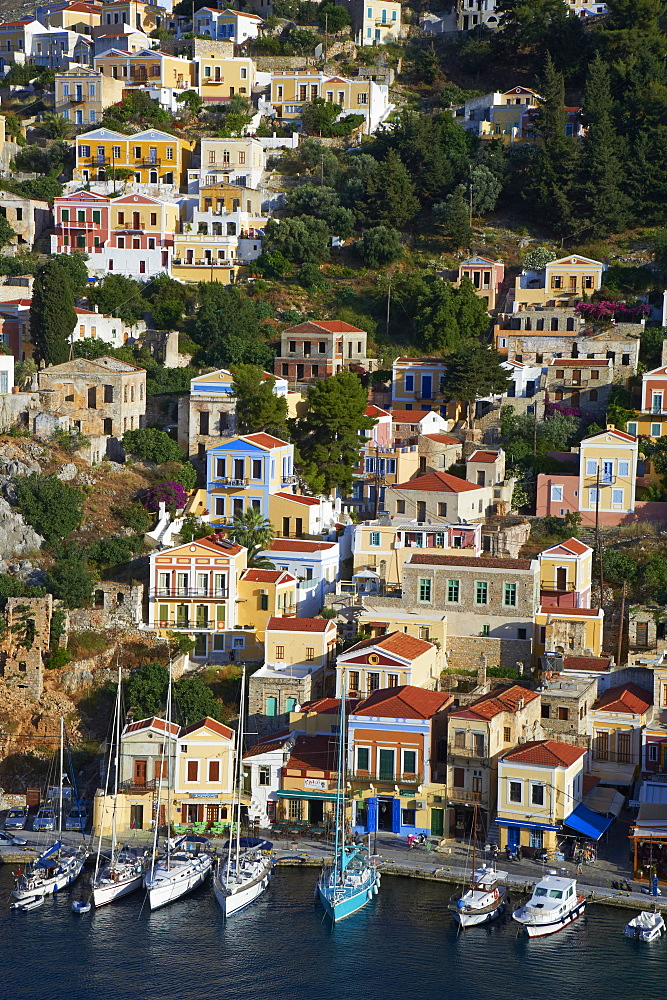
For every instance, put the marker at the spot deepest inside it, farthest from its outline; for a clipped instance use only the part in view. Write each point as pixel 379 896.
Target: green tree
pixel 604 203
pixel 227 328
pixel 299 240
pixel 146 690
pixel 56 127
pixel 152 445
pixel 470 310
pixel 331 432
pixel 191 100
pixel 195 701
pixel 7 234
pixel 70 580
pixel 321 203
pixel 119 296
pixel 619 567
pixel 333 18
pixel 486 188
pixel 527 25
pixel 388 195
pixel 454 216
pixel 52 316
pixel 251 530
pixel 257 406
pixel 74 265
pixel 537 259
pixel 318 117
pixel 473 370
pixel 54 509
pixel 379 246
pixel 434 149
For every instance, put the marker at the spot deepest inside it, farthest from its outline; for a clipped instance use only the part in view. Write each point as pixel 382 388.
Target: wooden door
pixel 140 772
pixel 561 579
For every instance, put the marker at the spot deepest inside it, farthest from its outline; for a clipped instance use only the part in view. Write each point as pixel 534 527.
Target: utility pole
pixel 388 303
pixel 326 36
pixel 619 650
pixel 379 481
pixel 597 531
pixel 470 186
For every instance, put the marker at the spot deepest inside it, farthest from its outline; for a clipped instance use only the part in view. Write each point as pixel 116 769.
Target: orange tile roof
pixel 589 782
pixel 330 325
pixel 405 702
pixel 209 723
pixel 409 416
pixel 265 440
pixel 625 698
pixel 298 624
pixel 546 753
pixel 596 663
pixel 488 562
pixel 442 438
pixel 152 723
pixel 438 482
pixel 297 498
pixel 571 613
pixel 267 746
pixel 614 432
pixel 216 541
pixel 299 545
pixel 499 700
pixel 376 411
pixel 267 576
pixel 399 643
pixel 329 706
pixel 317 753
pixel 484 456
pixel 571 545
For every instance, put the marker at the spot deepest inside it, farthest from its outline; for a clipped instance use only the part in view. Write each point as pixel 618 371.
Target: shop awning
pixel 317 796
pixel 587 823
pixel 605 801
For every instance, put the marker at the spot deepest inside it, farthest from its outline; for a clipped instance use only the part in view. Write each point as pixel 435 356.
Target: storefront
pixel 649 842
pixel 308 806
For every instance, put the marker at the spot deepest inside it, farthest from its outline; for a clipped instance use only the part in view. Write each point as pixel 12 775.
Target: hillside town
pixel 287 290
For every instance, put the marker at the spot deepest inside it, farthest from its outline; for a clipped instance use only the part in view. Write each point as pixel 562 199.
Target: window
pixel 595 374
pixel 264 775
pixel 424 632
pixel 507 734
pixel 592 496
pixel 271 707
pixel 424 589
pixel 373 682
pixel 375 538
pixel 214 771
pixel 280 652
pixel 459 778
pixel 409 383
pixel 481 592
pixel 363 758
pixel 560 373
pixel 192 770
pixel 563 713
pixel 624 468
pixel 353 681
pixel 486 628
pixel 392 680
pixel 170 153
pixel 409 762
pixel 521 633
pixel 653 753
pixel 591 467
pixel 656 430
pixel 537 795
pixel 509 595
pixel 617 497
pixel 557 494
pixel 263 602
pixel 515 791
pixel 310 653
pixel 546 711
pixel 453 589
pixel 408 817
pixel 460 739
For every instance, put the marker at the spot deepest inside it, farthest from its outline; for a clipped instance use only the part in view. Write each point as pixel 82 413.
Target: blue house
pixel 243 472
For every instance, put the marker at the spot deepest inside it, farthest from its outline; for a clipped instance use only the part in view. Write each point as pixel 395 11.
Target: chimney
pixel 481 670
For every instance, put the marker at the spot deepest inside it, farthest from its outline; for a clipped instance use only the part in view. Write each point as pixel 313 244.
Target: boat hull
pixel 233 899
pixel 167 888
pixel 469 918
pixel 544 930
pixel 108 891
pixel 338 906
pixel 69 872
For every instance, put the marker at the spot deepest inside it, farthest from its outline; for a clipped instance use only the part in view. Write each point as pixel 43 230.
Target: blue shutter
pixel 395 815
pixel 371 815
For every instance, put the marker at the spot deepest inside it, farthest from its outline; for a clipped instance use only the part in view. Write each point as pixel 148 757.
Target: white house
pixel 262 773
pixel 235 25
pixel 314 564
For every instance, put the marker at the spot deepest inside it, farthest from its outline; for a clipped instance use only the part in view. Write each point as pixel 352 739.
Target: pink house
pixel 487 276
pixel 381 435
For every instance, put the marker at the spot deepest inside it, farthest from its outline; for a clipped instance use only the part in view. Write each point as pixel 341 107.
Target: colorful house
pixel 563 282
pixel 154 157
pixel 440 497
pixel 417 381
pixel 617 721
pixel 566 630
pixel 566 573
pixel 314 564
pixel 243 472
pixel 292 89
pixel 651 422
pixel 389 661
pixel 319 349
pixel 486 275
pixel 383 547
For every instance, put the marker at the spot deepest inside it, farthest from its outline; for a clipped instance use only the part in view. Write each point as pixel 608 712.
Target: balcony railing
pixel 138 786
pixel 229 481
pixel 461 795
pixel 191 624
pixel 208 592
pixel 467 751
pixel 397 777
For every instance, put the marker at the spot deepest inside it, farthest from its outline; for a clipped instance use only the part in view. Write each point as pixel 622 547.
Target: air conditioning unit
pixel 437 800
pixel 420 804
pixel 264 593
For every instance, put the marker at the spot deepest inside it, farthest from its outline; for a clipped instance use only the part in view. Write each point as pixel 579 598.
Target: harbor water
pixel 402 946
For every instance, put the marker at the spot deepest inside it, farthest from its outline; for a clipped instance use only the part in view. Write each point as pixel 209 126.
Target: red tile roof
pixel 595 663
pixel 306 501
pixel 298 545
pixel 216 541
pixel 442 438
pixel 209 723
pixel 376 411
pixel 152 723
pixel 571 545
pixel 510 699
pixel 298 624
pixel 329 706
pixel 425 559
pixel 330 325
pixel 484 456
pixel 438 482
pixel 614 433
pixel 267 746
pixel 399 643
pixel 409 416
pixel 267 576
pixel 580 362
pixel 317 753
pixel 625 698
pixel 405 702
pixel 571 613
pixel 265 440
pixel 589 782
pixel 546 753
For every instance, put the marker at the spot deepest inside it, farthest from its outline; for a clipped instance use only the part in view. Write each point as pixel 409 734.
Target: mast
pixel 160 779
pixel 167 745
pixel 62 764
pixel 106 790
pixel 474 848
pixel 116 770
pixel 340 789
pixel 239 772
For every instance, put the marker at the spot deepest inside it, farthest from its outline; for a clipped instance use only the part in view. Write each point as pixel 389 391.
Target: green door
pixel 386 765
pixel 437 822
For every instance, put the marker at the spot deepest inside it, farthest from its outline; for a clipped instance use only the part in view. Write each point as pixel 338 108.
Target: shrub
pixel 70 580
pixel 58 658
pixel 172 494
pixel 54 509
pixel 152 445
pixel 379 246
pixel 181 472
pixel 86 643
pixel 134 517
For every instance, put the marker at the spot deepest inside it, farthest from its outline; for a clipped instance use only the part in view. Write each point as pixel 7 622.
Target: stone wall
pixel 26 643
pixel 463 652
pixel 281 686
pixel 564 636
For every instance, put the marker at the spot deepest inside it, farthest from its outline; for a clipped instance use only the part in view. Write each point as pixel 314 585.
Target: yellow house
pixel 384 547
pixel 262 594
pixel 154 157
pixel 617 721
pixel 608 464
pixel 242 473
pixel 204 780
pixel 563 282
pixel 208 258
pixel 239 160
pixel 540 784
pixel 566 573
pixel 220 79
pixel 145 16
pixel 225 198
pixel 83 93
pixel 147 68
pixel 377 622
pixel 135 214
pixel 389 661
pixel 79 17
pixel 299 665
pixel 292 89
pixel 570 631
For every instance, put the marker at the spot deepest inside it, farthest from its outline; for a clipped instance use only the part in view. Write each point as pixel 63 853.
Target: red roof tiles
pixel 330 325
pixel 268 576
pixel 425 559
pixel 628 698
pixel 297 498
pixel 409 416
pixel 511 699
pixel 438 482
pixel 405 702
pixel 299 545
pixel 599 664
pixel 212 724
pixel 441 438
pixel 152 723
pixel 546 753
pixel 484 456
pixel 298 624
pixel 398 643
pixel 265 440
pixel 316 753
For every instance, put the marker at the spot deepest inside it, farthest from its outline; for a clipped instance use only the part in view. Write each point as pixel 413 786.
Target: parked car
pixel 45 819
pixel 78 818
pixel 7 840
pixel 16 819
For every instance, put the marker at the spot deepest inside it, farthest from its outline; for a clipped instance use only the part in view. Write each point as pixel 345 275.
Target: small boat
pixel 29 903
pixel 81 906
pixel 553 905
pixel 485 900
pixel 645 926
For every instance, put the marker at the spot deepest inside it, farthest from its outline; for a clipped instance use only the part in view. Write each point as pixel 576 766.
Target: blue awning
pixel 47 859
pixel 587 822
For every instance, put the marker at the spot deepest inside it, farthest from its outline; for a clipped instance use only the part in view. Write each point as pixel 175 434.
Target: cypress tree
pixel 454 216
pixel 604 204
pixel 389 195
pixel 52 316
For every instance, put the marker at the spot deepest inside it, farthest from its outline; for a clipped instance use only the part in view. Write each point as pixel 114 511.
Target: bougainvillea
pixel 609 310
pixel 172 494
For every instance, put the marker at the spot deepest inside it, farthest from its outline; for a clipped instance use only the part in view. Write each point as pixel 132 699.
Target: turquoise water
pixel 402 946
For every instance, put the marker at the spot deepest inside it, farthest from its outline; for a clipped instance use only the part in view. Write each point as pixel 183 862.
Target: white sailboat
pixel 57 867
pixel 183 866
pixel 487 896
pixel 125 870
pixel 245 873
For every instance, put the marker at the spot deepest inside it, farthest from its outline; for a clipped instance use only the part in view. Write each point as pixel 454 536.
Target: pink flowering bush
pixel 609 310
pixel 174 495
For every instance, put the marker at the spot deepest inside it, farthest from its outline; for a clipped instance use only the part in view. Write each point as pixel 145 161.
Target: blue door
pixel 427 387
pixel 371 815
pixel 513 836
pixel 395 815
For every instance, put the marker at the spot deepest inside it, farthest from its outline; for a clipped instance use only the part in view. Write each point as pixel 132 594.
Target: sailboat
pixel 486 898
pixel 58 866
pixel 353 879
pixel 183 865
pixel 245 873
pixel 125 871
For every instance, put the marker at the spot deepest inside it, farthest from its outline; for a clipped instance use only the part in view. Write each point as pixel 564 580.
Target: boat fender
pixel 369 894
pixel 375 890
pixel 495 894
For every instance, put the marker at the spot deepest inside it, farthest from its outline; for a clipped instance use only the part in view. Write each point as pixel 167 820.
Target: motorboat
pixel 553 905
pixel 29 903
pixel 81 906
pixel 646 926
pixel 485 900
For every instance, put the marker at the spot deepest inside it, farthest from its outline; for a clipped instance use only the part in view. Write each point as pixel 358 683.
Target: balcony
pixel 207 592
pixel 461 795
pixel 288 480
pixel 190 625
pixel 77 99
pixel 230 481
pixel 149 162
pixel 202 263
pixel 479 753
pixel 396 778
pixel 138 787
